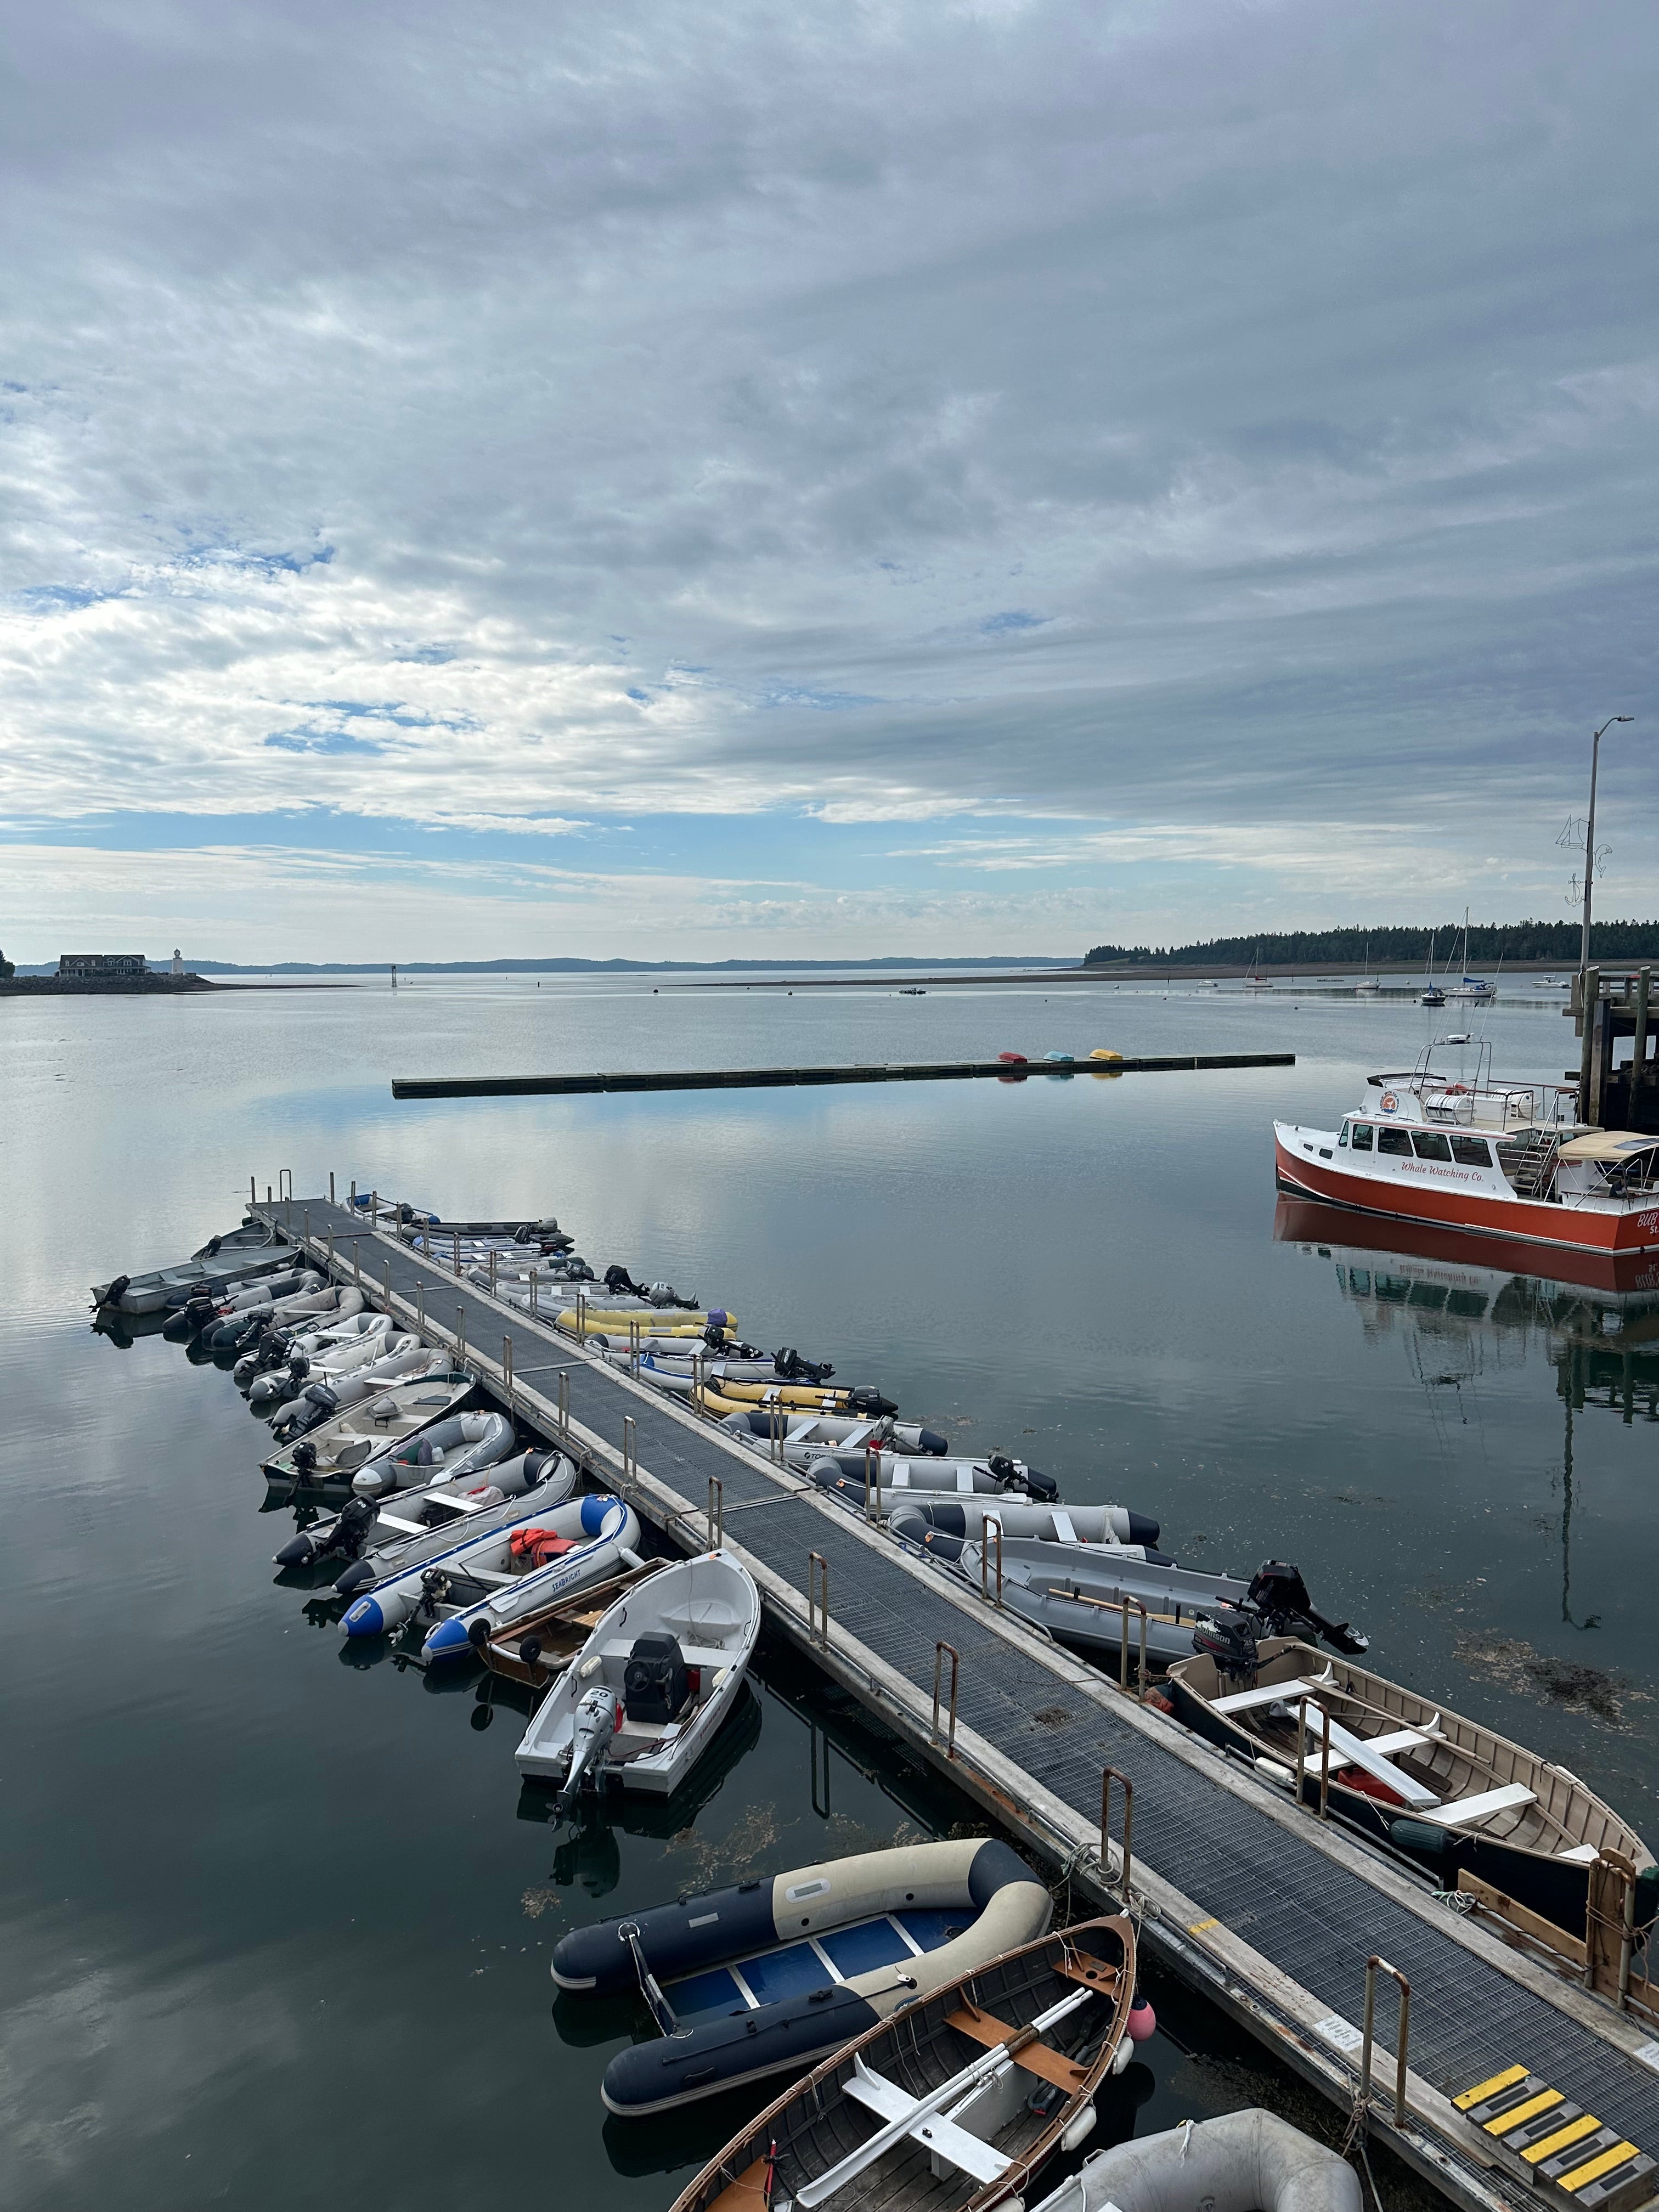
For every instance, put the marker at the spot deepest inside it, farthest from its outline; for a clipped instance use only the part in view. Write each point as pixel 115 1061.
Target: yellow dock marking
pixel 1507 2122
pixel 1199 1926
pixel 1482 2090
pixel 1585 2174
pixel 1575 2132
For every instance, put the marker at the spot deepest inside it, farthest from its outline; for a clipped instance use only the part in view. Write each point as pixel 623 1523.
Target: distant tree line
pixel 1489 942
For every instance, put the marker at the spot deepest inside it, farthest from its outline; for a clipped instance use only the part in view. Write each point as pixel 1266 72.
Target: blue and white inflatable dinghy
pixel 771 1975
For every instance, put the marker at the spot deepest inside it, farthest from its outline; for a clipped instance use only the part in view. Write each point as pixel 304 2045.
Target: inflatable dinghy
pixel 997 1476
pixel 460 1445
pixel 570 1549
pixel 194 1315
pixel 477 1564
pixel 376 1538
pixel 747 1972
pixel 647 1695
pixel 956 2098
pixel 1249 2161
pixel 1018 1516
pixel 1448 1792
pixel 831 1429
pixel 320 1401
pixel 344 1442
pixel 331 1358
pixel 243 1253
pixel 1077 1593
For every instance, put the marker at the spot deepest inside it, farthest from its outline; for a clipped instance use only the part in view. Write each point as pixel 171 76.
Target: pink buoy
pixel 1143 2022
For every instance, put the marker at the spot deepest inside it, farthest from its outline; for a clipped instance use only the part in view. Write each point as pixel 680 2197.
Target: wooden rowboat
pixel 955 2102
pixel 1478 1812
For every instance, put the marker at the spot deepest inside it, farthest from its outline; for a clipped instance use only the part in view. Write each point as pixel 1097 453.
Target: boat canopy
pixel 1607 1144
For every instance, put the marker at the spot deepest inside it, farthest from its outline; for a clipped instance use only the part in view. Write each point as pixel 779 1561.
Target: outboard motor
pixel 118 1290
pixel 1280 1596
pixel 790 1367
pixel 655 1682
pixel 665 1294
pixel 598 1717
pixel 345 1538
pixel 1012 1475
pixel 618 1278
pixel 1229 1641
pixel 305 1460
pixel 869 1402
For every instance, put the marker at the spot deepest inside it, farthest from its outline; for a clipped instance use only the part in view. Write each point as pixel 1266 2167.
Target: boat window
pixel 1431 1145
pixel 1393 1140
pixel 1470 1152
pixel 1343 1138
pixel 1362 1136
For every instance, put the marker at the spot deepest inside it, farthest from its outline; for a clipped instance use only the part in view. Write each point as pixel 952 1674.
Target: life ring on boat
pixel 1388 1102
pixel 1457 1091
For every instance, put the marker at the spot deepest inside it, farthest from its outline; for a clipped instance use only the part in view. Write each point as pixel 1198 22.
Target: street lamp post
pixel 1589 841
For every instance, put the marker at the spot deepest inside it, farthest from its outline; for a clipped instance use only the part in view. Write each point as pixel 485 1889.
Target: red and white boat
pixel 1501 1158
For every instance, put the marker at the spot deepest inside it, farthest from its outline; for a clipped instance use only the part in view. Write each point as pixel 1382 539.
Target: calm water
pixel 272 1924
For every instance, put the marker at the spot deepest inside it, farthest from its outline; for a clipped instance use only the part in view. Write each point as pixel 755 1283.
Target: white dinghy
pixel 647 1693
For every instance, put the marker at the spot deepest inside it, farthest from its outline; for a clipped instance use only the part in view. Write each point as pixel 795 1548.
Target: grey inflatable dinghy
pixel 995 1476
pixel 1078 1593
pixel 1022 1516
pixel 372 1538
pixel 338 1447
pixel 1249 2161
pixel 460 1445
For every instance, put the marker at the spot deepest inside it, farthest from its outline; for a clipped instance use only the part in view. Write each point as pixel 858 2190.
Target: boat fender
pixel 1143 2021
pixel 1122 2057
pixel 1080 2127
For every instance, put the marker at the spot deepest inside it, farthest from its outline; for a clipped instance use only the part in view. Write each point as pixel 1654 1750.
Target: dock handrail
pixel 991 1527
pixel 1123 1648
pixel 1108 1776
pixel 716 1513
pixel 1374 1967
pixel 630 1450
pixel 818 1598
pixel 939 1651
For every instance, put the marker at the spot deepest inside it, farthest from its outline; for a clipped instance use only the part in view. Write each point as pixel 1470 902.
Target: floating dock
pixel 775 1079
pixel 1519 2087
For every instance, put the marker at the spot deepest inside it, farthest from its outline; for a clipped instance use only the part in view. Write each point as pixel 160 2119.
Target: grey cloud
pixel 1138 411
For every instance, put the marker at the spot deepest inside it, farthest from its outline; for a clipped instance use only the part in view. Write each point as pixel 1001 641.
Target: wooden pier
pixel 773 1078
pixel 1616 1094
pixel 1277 1917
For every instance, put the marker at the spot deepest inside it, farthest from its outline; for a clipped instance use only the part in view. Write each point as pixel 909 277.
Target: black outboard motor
pixel 118 1290
pixel 655 1684
pixel 618 1278
pixel 869 1402
pixel 665 1294
pixel 188 1320
pixel 1229 1641
pixel 1280 1596
pixel 790 1367
pixel 305 1459
pixel 345 1538
pixel 1031 1480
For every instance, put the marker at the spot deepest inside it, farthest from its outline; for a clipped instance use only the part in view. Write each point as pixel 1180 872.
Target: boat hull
pixel 1533 1221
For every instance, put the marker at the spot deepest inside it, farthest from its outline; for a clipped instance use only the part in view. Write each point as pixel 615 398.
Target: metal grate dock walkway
pixel 1268 1910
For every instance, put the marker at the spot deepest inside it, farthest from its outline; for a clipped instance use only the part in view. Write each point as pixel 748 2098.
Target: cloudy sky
pixel 726 479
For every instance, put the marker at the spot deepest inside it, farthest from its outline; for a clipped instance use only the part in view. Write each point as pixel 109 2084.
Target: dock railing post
pixel 305 1227
pixel 941 1651
pixel 1324 1768
pixel 817 1599
pixel 285 1184
pixel 420 1305
pixel 634 1349
pixel 631 1450
pixel 991 1527
pixel 374 1209
pixel 582 1318
pixel 331 1255
pixel 1373 1965
pixel 564 1407
pixel 253 1192
pixel 354 1194
pixel 533 1294
pixel 869 1470
pixel 1123 1611
pixel 716 1513
pixel 460 1332
pixel 492 1271
pixel 697 1383
pixel 386 1287
pixel 1108 1776
pixel 357 1261
pixel 457 1255
pixel 506 1370
pixel 331 1186
pixel 1301 1748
